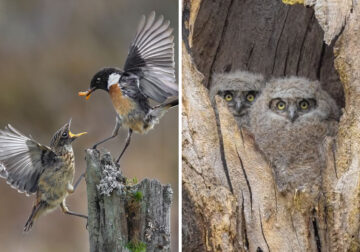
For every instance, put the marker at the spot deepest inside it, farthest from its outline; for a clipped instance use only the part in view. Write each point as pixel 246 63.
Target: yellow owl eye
pixel 250 97
pixel 304 105
pixel 281 105
pixel 228 97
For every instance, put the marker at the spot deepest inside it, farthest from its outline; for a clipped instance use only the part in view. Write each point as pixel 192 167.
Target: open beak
pixel 87 94
pixel 72 135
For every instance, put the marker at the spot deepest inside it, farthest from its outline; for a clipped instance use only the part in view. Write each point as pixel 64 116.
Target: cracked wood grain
pixel 204 179
pixel 258 37
pixel 120 213
pixel 223 38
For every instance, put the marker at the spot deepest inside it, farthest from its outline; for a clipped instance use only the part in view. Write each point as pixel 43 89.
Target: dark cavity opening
pixel 265 37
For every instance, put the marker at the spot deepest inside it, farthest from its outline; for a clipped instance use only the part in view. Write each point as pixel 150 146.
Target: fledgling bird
pixel 149 72
pixel 240 89
pixel 31 167
pixel 290 121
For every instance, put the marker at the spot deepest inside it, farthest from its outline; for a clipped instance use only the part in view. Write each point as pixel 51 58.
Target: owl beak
pixel 292 114
pixel 238 107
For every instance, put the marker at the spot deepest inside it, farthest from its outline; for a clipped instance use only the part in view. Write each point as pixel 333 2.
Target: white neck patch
pixel 113 79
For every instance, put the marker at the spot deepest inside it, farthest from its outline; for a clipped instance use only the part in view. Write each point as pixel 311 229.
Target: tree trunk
pixel 230 199
pixel 124 215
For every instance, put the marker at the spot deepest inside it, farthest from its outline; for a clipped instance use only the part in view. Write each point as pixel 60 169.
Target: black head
pixel 64 137
pixel 101 80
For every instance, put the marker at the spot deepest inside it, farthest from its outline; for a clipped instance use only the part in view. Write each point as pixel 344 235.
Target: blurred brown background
pixel 49 51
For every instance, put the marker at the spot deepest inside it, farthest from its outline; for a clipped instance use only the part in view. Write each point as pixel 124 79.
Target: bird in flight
pixel 149 73
pixel 48 171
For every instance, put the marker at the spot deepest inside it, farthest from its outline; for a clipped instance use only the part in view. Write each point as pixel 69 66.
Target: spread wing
pixel 22 160
pixel 151 58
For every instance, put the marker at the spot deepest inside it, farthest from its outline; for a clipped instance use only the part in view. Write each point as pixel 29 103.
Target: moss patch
pixel 136 246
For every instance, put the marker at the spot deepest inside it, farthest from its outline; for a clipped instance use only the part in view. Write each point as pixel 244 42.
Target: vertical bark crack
pixel 185 30
pixel 318 71
pixel 276 200
pixel 246 178
pixel 294 228
pixel 222 152
pixel 262 231
pixel 278 41
pixel 243 227
pixel 286 60
pixel 333 148
pixel 303 42
pixel 250 54
pixel 316 234
pixel 221 40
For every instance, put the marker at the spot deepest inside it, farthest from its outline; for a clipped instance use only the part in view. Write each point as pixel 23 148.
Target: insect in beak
pixel 87 93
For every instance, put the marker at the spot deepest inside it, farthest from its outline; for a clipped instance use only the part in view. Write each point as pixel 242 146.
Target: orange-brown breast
pixel 123 105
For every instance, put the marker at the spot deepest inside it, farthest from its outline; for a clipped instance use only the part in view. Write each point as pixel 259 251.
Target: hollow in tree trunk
pixel 230 199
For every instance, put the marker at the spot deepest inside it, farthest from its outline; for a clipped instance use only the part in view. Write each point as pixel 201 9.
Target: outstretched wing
pixel 151 58
pixel 22 160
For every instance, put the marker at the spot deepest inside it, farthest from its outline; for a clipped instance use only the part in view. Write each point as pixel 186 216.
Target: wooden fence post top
pixel 125 215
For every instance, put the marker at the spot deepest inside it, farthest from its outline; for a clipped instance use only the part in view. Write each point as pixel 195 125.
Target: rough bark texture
pixel 204 179
pixel 124 216
pixel 266 37
pixel 332 15
pixel 230 199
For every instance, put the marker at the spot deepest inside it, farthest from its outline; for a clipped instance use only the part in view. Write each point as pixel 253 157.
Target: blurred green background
pixel 49 51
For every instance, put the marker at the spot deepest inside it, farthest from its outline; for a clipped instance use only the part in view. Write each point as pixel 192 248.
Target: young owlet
pixel 290 121
pixel 239 89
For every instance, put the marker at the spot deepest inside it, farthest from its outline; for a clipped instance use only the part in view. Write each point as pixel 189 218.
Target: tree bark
pixel 230 199
pixel 124 215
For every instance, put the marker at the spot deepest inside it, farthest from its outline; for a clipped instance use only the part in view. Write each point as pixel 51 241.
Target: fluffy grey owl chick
pixel 239 89
pixel 290 121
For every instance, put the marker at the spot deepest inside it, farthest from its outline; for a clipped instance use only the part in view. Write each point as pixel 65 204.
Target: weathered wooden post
pixel 125 215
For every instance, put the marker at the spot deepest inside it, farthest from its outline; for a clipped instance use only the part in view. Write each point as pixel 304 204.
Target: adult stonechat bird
pixel 149 73
pixel 31 167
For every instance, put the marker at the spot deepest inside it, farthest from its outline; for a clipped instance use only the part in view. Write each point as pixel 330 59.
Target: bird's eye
pixel 65 134
pixel 250 97
pixel 281 105
pixel 304 105
pixel 228 97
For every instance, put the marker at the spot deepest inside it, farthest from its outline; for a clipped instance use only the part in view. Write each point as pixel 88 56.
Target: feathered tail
pixel 155 113
pixel 35 213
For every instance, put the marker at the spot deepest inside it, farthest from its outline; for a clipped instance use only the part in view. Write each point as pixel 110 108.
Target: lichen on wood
pixel 125 216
